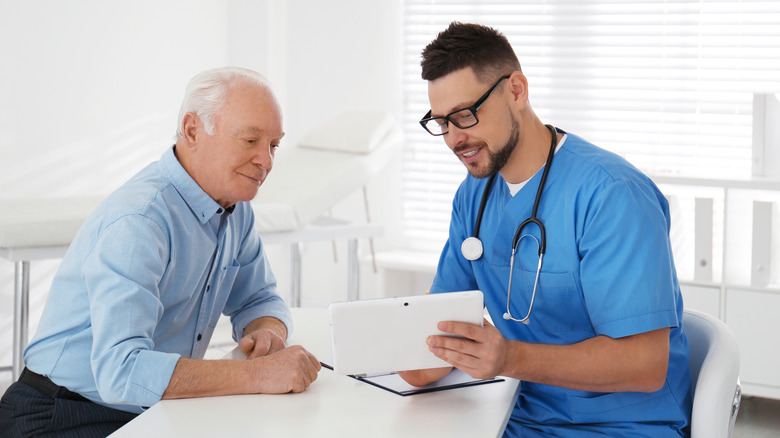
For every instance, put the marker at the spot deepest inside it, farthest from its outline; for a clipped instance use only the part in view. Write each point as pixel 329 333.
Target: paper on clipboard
pixel 395 384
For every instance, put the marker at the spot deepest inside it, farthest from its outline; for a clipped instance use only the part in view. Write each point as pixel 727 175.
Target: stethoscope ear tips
pixel 471 248
pixel 507 316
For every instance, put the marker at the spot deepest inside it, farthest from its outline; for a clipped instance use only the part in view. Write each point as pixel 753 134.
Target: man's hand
pixel 601 364
pixel 424 377
pixel 292 369
pixel 481 352
pixel 262 337
pixel 261 343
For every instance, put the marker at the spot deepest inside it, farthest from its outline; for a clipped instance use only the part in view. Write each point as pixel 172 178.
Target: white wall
pixel 90 89
pixel 89 92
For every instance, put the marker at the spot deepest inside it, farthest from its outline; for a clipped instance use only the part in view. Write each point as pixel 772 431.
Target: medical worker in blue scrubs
pixel 601 351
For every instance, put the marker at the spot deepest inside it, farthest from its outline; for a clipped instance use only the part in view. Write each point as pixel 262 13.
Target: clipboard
pixel 392 382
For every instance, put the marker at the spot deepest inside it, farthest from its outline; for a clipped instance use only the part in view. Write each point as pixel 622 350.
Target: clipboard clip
pixel 368 376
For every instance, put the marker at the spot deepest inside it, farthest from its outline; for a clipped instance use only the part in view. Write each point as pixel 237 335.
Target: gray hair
pixel 206 93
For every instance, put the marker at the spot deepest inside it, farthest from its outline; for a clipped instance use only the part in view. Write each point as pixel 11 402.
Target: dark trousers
pixel 50 411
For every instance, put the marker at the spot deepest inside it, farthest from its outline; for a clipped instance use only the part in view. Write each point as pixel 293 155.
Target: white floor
pixel 758 417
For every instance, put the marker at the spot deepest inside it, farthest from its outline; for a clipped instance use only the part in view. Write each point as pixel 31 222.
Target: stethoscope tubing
pixel 542 242
pixel 534 218
pixel 508 313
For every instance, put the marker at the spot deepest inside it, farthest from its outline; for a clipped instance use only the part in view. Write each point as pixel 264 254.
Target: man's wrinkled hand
pixel 261 343
pixel 292 369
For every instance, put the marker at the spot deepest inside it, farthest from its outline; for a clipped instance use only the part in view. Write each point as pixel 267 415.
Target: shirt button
pixel 199 336
pixel 208 287
pixel 219 211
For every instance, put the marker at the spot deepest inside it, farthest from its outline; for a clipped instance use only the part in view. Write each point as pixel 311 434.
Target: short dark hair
pixel 484 49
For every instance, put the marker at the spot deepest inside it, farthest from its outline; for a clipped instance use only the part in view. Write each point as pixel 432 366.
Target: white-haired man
pixel 136 299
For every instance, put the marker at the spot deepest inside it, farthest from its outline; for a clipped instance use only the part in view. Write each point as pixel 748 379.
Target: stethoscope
pixel 471 248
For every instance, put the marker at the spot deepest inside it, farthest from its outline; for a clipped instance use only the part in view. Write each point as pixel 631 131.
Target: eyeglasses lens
pixel 463 119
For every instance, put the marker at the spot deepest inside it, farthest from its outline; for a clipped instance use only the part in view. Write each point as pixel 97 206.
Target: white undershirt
pixel 514 188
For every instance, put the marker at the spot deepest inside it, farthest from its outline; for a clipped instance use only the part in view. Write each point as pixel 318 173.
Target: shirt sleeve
pixel 254 294
pixel 122 273
pixel 627 270
pixel 454 272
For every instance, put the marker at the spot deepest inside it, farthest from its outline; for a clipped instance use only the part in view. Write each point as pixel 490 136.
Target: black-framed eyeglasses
pixel 462 118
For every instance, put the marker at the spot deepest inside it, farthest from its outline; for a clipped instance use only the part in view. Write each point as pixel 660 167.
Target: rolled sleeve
pixel 275 309
pixel 149 377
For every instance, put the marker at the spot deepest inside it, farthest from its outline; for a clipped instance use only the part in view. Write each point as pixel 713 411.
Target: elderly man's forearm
pixel 207 378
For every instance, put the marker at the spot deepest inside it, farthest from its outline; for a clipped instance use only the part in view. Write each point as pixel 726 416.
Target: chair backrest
pixel 714 364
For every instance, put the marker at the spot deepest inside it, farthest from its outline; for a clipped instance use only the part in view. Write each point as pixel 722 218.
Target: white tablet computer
pixel 389 334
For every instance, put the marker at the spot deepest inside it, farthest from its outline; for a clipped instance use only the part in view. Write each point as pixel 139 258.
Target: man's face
pixel 486 147
pixel 231 164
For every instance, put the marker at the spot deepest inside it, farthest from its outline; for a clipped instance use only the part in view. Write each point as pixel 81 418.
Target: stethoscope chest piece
pixel 471 248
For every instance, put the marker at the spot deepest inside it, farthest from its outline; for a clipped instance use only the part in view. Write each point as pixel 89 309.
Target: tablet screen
pixel 389 334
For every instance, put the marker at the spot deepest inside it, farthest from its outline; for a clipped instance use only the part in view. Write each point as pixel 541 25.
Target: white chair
pixel 714 363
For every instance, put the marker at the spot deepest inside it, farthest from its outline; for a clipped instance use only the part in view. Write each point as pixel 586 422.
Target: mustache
pixel 468 146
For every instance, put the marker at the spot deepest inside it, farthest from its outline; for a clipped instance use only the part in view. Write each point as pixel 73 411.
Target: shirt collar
pixel 199 201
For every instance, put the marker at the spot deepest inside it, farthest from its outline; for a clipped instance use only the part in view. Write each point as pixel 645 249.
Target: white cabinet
pixel 753 316
pixel 726 242
pixel 702 298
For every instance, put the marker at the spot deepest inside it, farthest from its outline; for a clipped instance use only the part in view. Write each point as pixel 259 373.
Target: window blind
pixel 666 84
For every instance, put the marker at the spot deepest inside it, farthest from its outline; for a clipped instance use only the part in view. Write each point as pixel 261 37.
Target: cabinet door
pixel 752 315
pixel 702 298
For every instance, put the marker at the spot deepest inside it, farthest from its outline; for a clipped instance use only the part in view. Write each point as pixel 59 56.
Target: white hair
pixel 206 93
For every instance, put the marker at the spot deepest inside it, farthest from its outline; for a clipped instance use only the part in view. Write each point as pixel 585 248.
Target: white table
pixel 333 406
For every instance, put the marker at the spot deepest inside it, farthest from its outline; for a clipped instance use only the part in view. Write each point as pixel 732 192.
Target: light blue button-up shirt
pixel 144 283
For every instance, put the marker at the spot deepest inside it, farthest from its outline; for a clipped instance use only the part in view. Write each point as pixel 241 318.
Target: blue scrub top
pixel 608 270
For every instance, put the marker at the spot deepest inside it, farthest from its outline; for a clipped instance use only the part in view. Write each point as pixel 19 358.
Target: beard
pixel 498 159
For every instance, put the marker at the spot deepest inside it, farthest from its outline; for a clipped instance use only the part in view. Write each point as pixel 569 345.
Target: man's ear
pixel 518 85
pixel 190 125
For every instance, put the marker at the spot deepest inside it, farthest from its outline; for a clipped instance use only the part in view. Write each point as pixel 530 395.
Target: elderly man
pixel 136 299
